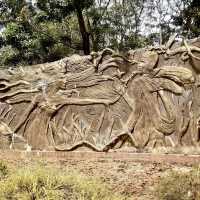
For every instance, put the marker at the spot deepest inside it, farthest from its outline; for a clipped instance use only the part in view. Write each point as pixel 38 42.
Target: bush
pixel 40 183
pixel 8 55
pixel 3 170
pixel 179 186
pixel 27 43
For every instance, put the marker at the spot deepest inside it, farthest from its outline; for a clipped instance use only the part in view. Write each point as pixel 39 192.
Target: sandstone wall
pixel 104 101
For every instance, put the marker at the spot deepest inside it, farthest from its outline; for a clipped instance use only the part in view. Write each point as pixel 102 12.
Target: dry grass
pixel 44 183
pixel 179 185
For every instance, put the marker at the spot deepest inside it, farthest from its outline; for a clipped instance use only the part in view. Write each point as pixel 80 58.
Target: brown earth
pixel 131 174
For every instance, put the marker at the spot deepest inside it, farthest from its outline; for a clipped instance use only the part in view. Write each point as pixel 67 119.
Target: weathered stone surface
pixel 104 101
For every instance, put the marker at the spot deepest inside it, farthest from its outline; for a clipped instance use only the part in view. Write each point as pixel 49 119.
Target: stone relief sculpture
pixel 104 101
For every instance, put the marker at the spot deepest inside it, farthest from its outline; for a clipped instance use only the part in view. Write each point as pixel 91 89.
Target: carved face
pixel 148 60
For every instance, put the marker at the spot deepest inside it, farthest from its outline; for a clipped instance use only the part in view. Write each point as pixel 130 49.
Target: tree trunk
pixel 84 33
pixel 160 35
pixel 93 34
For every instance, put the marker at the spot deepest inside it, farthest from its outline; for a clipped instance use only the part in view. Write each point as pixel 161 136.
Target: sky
pixel 163 11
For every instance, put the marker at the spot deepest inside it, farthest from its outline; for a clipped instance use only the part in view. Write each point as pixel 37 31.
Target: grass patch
pixel 179 185
pixel 44 183
pixel 3 170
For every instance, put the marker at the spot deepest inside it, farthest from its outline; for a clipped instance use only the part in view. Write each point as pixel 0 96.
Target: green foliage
pixel 189 18
pixel 8 55
pixel 34 36
pixel 40 33
pixel 53 29
pixel 43 183
pixel 10 9
pixel 116 25
pixel 179 186
pixel 57 10
pixel 34 44
pixel 133 42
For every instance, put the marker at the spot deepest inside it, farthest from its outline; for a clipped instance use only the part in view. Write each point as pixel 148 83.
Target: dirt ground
pixel 135 178
pixel 130 179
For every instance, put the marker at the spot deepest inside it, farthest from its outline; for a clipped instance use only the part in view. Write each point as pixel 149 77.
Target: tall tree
pixel 45 31
pixel 79 6
pixel 58 10
pixel 117 24
pixel 96 23
pixel 29 36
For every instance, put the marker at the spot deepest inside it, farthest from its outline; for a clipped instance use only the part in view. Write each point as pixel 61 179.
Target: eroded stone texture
pixel 104 101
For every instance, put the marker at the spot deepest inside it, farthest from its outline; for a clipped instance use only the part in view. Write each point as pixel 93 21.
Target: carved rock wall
pixel 104 101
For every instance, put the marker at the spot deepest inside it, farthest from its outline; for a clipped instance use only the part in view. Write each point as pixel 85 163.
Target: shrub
pixel 179 186
pixel 8 55
pixel 3 170
pixel 42 183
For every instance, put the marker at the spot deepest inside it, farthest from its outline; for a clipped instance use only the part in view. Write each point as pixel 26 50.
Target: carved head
pixel 148 60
